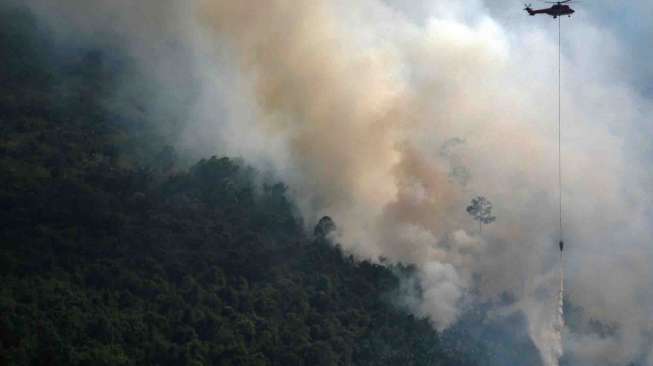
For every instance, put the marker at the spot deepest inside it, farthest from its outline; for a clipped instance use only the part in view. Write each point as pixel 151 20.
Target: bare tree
pixel 481 210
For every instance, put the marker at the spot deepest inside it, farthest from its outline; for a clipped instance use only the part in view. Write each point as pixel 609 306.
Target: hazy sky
pixel 630 22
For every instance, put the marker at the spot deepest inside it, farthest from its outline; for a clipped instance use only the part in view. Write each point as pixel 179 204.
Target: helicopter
pixel 555 11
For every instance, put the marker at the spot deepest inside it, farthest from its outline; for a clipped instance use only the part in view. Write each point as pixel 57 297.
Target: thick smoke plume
pixel 391 124
pixel 366 99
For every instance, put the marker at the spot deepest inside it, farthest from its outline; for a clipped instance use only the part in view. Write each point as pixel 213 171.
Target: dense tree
pixel 481 210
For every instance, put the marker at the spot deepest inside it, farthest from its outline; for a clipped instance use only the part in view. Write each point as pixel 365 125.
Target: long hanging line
pixel 559 134
pixel 560 321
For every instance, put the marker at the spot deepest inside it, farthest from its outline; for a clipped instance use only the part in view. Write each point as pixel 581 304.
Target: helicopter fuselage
pixel 554 11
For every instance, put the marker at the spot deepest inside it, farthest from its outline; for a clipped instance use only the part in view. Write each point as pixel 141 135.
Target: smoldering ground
pixel 352 104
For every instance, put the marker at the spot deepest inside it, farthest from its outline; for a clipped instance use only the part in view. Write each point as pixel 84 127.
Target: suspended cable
pixel 560 135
